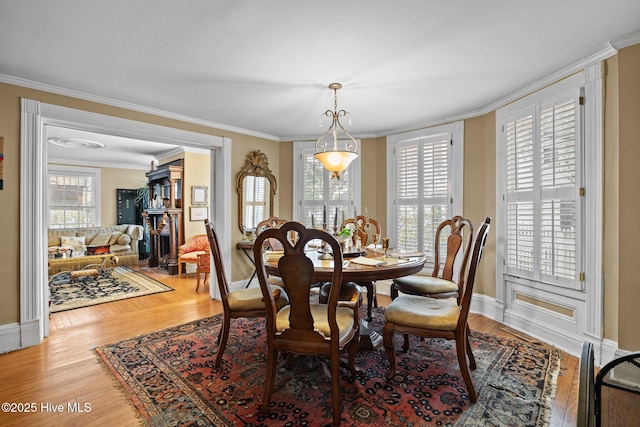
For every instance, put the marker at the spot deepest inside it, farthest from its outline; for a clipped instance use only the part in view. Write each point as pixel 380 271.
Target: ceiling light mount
pixel 75 143
pixel 336 160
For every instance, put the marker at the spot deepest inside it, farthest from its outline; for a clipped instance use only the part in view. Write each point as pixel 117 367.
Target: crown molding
pixel 626 41
pixel 17 81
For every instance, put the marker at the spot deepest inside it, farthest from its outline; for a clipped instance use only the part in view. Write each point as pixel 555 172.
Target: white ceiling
pixel 262 67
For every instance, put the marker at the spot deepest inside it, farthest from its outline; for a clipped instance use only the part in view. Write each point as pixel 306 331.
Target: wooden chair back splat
pixel 303 327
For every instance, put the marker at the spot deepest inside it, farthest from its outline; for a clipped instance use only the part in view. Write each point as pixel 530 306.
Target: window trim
pixel 588 319
pixel 71 170
pixel 299 147
pixel 456 131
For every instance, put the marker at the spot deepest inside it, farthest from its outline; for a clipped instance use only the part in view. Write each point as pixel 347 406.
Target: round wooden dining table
pixel 353 271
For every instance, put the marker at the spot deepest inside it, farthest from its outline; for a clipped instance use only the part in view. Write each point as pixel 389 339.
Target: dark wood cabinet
pixel 164 217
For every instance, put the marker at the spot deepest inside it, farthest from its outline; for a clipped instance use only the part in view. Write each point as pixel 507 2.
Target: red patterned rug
pixel 170 378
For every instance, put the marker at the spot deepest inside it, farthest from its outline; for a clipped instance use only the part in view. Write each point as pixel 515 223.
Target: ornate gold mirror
pixel 256 190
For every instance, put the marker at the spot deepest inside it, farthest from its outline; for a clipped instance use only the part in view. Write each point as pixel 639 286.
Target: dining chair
pixel 271 244
pixel 305 327
pixel 442 281
pixel 239 303
pixel 271 222
pixel 365 228
pixel 437 318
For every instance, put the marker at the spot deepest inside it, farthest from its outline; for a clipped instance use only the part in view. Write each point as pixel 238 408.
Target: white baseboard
pixel 9 337
pixel 569 343
pixel 609 350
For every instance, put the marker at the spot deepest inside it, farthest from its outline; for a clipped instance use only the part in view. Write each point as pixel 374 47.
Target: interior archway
pixel 33 197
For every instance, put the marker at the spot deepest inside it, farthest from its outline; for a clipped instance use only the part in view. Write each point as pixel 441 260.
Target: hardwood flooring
pixel 64 370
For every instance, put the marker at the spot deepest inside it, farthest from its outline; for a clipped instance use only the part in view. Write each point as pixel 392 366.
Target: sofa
pixel 121 239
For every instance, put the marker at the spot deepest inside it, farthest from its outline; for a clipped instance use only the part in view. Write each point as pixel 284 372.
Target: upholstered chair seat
pixel 251 299
pixel 344 318
pixel 421 312
pixel 421 284
pixel 191 257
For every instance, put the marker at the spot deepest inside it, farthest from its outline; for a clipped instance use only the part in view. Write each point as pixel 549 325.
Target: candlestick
pixel 324 214
pixel 335 218
pixel 313 221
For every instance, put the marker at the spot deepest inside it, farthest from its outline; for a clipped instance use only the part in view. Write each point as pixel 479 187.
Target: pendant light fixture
pixel 333 159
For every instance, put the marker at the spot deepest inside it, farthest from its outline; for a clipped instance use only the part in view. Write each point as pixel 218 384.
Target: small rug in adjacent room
pixel 120 284
pixel 170 378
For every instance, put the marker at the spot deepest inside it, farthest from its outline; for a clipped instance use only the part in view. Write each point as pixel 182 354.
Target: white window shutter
pixel 542 206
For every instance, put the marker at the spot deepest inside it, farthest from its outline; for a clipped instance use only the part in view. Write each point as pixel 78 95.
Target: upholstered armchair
pixel 204 266
pixel 189 252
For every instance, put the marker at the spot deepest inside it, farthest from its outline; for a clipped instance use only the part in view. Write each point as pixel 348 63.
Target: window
pixel 255 203
pixel 319 199
pixel 542 190
pixel 74 197
pixel 425 185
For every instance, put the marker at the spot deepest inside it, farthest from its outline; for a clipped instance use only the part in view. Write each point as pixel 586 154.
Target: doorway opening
pixel 36 116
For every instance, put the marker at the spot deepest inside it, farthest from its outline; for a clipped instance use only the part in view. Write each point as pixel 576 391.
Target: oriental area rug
pixel 170 378
pixel 110 285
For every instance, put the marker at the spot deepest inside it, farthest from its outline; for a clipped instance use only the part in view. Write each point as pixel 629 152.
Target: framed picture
pixel 199 195
pixel 198 213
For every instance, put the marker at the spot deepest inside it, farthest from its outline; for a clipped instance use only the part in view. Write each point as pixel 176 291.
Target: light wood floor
pixel 64 369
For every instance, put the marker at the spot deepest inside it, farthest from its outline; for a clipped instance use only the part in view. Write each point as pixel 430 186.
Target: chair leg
pixel 461 344
pixel 272 360
pixel 353 349
pixel 472 360
pixel 335 387
pixel 198 281
pixel 222 339
pixel 405 345
pixel 387 340
pixel 394 291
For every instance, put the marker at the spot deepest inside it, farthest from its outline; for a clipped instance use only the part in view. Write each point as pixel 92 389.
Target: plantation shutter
pixel 422 187
pixel 542 200
pixel 559 190
pixel 520 215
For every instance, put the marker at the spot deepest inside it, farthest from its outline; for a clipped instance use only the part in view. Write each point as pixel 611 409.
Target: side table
pixel 246 246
